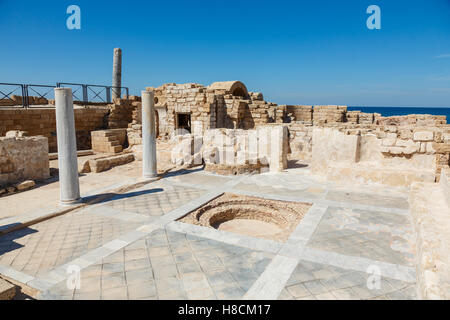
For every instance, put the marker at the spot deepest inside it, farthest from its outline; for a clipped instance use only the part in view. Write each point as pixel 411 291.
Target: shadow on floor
pixel 108 197
pixel 295 164
pixel 7 243
pixel 181 172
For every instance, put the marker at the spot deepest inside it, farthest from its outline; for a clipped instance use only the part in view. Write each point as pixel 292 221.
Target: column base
pixel 68 203
pixel 150 176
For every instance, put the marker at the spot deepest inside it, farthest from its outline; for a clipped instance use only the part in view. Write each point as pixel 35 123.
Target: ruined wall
pixel 187 98
pixel 16 100
pixel 390 155
pixel 220 105
pixel 389 150
pixel 121 112
pixel 43 122
pixel 234 151
pixel 329 114
pixel 300 113
pixel 430 211
pixel 23 158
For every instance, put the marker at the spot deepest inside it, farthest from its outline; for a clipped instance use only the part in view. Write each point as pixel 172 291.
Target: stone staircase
pixel 108 141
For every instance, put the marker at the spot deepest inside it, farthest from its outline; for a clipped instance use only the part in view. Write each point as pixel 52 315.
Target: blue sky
pixel 295 52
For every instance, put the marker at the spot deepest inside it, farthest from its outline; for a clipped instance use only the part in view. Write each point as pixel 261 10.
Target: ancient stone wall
pixel 172 99
pixel 234 151
pixel 121 112
pixel 329 114
pixel 23 158
pixel 43 122
pixel 300 113
pixel 430 212
pixel 393 148
pixel 221 105
pixel 16 100
pixel 390 155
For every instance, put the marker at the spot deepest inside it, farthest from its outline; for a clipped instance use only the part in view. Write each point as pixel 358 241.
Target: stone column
pixel 117 73
pixel 148 135
pixel 67 147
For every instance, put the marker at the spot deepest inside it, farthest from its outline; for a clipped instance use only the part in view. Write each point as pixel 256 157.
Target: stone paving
pixel 316 281
pixel 39 248
pixel 155 202
pixel 171 265
pixel 371 234
pixel 132 247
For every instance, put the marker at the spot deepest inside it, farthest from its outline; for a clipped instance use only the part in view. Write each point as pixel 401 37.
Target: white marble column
pixel 148 135
pixel 67 147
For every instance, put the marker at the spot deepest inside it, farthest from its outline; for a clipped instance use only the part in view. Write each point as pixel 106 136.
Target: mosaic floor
pixel 349 245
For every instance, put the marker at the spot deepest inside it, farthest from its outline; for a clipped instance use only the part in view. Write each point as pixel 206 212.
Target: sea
pixel 400 111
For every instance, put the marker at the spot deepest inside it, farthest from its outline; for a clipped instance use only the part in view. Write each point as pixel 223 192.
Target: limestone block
pixel 330 145
pixel 410 147
pixel 423 146
pixel 429 147
pixel 424 136
pixel 211 155
pixel 396 150
pixel 197 158
pixel 226 155
pixel 278 149
pixel 389 140
pixel 16 134
pixel 25 185
pixel 176 153
pixel 441 147
pixel 197 144
pixel 446 137
pixel 23 158
pixel 103 164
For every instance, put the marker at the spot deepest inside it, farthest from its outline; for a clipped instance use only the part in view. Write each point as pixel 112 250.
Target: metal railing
pixel 93 93
pixel 9 93
pixel 40 94
pixel 27 95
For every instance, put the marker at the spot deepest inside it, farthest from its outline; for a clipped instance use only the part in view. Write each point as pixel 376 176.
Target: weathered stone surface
pixel 16 134
pixel 331 145
pixel 42 121
pixel 108 141
pixel 103 164
pixel 431 216
pixel 229 151
pixel 369 159
pixel 25 185
pixel 424 136
pixel 22 159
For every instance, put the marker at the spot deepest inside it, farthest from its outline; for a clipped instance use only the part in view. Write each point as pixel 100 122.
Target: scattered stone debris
pixel 18 187
pixel 25 185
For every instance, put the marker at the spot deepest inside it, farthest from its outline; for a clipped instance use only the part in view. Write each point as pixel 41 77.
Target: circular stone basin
pixel 249 227
pixel 250 216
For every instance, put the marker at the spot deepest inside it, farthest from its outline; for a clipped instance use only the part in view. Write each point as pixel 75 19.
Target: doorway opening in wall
pixel 183 123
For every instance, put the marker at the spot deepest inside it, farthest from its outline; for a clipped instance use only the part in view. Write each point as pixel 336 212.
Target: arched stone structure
pixel 236 88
